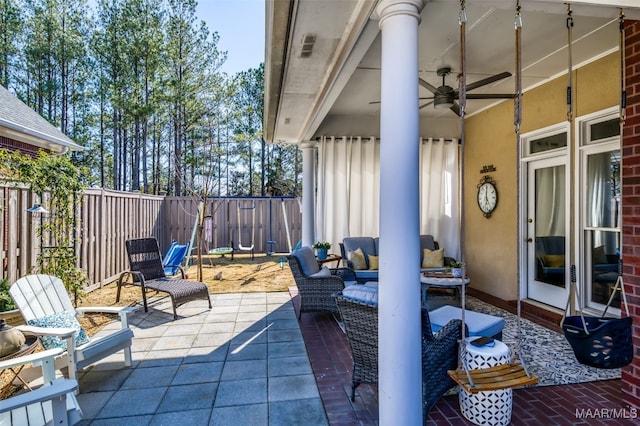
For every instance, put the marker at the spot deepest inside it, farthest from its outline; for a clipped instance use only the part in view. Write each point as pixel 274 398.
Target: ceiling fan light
pixel 442 103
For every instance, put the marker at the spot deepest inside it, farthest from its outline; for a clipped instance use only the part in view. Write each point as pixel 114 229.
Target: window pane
pixel 605 129
pixel 604 252
pixel 603 189
pixel 548 143
pixel 550 225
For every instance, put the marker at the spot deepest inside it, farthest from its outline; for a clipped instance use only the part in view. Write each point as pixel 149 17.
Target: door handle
pixel 529 240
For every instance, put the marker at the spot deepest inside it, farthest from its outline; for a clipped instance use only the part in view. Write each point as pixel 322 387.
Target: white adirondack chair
pixel 54 403
pixel 40 296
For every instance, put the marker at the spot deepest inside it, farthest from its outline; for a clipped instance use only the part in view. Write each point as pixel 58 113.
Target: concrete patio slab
pixel 242 362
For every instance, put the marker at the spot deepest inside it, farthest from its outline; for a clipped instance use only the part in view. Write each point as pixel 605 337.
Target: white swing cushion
pixel 478 324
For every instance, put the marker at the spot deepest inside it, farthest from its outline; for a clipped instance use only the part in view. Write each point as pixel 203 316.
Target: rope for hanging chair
pixel 570 65
pixel 513 374
pixel 623 73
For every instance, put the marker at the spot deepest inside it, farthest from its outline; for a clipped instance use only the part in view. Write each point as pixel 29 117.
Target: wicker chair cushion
pixel 307 260
pixel 361 293
pixel 478 324
pixel 367 244
pixel 322 273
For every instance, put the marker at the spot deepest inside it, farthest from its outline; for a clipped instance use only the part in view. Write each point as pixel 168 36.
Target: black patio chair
pixel 147 271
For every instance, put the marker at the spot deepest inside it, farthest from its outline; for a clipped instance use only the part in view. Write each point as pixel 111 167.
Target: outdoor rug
pixel 546 353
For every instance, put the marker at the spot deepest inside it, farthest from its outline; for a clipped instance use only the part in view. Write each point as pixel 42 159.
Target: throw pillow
pixel 554 260
pixel 357 259
pixel 66 319
pixel 373 262
pixel 324 272
pixel 433 258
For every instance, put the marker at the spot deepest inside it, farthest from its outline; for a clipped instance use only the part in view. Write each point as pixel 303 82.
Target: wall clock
pixel 487 196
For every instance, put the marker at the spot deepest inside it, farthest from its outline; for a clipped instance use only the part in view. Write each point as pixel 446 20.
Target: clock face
pixel 487 198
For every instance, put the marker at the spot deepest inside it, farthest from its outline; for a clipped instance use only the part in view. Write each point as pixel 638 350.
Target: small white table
pixel 488 407
pixel 433 280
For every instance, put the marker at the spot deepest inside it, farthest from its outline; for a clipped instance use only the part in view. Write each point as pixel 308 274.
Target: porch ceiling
pixel 330 92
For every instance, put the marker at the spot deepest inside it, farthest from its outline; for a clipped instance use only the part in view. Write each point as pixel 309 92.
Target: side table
pixel 330 258
pixel 487 407
pixel 441 280
pixel 30 345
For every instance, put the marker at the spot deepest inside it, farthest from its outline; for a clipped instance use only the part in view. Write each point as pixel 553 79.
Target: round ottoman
pixel 488 407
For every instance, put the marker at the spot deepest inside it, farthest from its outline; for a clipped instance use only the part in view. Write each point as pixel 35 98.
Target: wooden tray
pixel 439 275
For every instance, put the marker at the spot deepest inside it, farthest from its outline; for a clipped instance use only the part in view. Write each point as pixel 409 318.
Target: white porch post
pixel 308 193
pixel 400 372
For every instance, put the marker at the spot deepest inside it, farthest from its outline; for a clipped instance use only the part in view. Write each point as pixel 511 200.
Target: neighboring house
pixel 341 81
pixel 23 129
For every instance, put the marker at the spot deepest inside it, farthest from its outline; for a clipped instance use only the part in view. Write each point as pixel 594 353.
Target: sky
pixel 240 25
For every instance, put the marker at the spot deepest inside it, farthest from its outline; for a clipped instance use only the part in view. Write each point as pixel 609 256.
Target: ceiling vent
pixel 307 45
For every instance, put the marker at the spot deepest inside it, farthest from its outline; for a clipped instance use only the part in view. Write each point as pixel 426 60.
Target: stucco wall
pixel 491 245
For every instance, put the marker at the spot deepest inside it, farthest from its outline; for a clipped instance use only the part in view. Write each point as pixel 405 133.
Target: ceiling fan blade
pixel 491 96
pixel 488 80
pixel 421 99
pixel 429 87
pixel 425 105
pixel 455 108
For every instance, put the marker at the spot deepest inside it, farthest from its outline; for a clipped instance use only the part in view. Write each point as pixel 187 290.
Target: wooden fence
pixel 106 219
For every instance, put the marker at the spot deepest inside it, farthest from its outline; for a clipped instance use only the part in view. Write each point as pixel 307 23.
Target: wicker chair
pixel 439 352
pixel 317 287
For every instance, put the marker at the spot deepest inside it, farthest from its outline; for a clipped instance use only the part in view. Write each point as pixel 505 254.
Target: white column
pixel 400 371
pixel 308 192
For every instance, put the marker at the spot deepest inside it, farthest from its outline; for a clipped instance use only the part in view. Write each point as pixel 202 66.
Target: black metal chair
pixel 439 351
pixel 147 271
pixel 317 286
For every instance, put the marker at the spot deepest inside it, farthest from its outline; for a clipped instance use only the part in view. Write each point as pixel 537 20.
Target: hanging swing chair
pixel 248 206
pixel 600 342
pixel 513 374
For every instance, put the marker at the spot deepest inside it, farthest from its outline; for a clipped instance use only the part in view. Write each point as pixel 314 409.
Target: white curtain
pixel 349 190
pixel 439 188
pixel 550 201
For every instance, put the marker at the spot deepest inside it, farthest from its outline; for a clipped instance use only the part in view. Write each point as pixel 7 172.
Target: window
pixel 600 190
pixel 604 130
pixel 547 143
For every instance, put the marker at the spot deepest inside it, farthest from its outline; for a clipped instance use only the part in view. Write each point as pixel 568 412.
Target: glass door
pixel 547 242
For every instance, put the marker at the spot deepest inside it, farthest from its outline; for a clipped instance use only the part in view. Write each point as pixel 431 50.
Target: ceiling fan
pixel 444 97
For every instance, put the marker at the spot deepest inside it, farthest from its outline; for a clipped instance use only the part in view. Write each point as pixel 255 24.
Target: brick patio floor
pixel 330 358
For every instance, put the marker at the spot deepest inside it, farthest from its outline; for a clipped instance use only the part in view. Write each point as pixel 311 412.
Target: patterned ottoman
pixel 488 407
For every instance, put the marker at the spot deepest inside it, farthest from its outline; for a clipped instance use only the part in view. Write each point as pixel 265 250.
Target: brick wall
pixel 13 145
pixel 631 205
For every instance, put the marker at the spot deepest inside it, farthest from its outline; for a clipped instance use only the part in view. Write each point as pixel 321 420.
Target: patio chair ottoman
pixel 180 291
pixel 477 324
